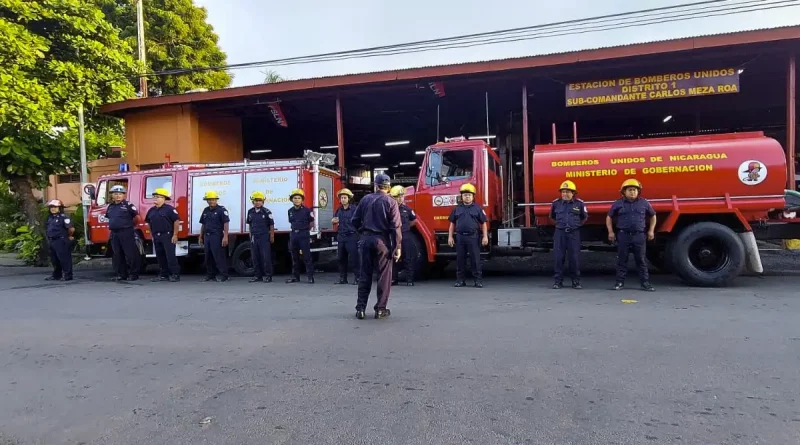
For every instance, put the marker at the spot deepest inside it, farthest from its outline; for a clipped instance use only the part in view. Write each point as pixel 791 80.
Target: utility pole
pixel 140 44
pixel 84 179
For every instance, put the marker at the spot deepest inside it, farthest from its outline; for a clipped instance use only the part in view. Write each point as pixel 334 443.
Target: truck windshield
pixel 449 166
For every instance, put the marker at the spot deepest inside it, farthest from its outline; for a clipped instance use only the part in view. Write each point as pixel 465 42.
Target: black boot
pixel 460 284
pixel 174 278
pixel 557 285
pixel 382 313
pixel 256 279
pixel 66 279
pixel 157 279
pixel 207 279
pixel 576 285
pixel 341 280
pixel 355 282
pixel 268 279
pixel 310 280
pixel 479 284
pixel 410 283
pixel 52 278
pixel 224 280
pixel 134 278
pixel 293 280
pixel 619 286
pixel 119 278
pixel 394 282
pixel 646 286
pixel 361 315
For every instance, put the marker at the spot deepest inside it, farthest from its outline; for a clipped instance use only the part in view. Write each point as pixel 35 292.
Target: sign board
pixel 229 188
pixel 276 186
pixel 328 203
pixel 653 87
pixel 86 197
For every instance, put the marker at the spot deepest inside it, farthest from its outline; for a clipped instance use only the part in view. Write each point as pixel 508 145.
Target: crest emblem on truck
pixel 752 172
pixel 323 199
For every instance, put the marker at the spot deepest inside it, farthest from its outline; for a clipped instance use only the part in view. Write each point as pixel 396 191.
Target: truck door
pixel 446 170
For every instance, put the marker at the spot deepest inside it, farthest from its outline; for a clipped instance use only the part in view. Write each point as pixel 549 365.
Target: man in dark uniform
pixel 214 238
pixel 465 221
pixel 59 232
pixel 569 213
pixel 262 235
pixel 122 217
pixel 347 237
pixel 377 219
pixel 633 215
pixel 408 220
pixel 164 227
pixel 301 219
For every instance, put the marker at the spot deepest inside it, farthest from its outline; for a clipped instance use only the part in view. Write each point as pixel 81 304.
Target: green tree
pixel 176 36
pixel 56 55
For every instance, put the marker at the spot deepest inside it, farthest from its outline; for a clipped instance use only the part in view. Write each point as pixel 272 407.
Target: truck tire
pixel 140 248
pixel 421 260
pixel 708 254
pixel 660 256
pixel 242 259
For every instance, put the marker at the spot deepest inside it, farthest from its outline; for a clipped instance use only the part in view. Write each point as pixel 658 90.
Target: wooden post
pixel 340 137
pixel 525 156
pixel 791 121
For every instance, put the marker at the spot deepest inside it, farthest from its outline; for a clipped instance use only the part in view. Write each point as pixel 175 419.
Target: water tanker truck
pixel 714 195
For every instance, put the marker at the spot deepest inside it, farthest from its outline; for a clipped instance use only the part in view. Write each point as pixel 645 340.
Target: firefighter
pixel 347 237
pixel 262 235
pixel 214 238
pixel 569 213
pixel 122 217
pixel 408 220
pixel 164 225
pixel 377 218
pixel 636 223
pixel 59 232
pixel 465 221
pixel 301 219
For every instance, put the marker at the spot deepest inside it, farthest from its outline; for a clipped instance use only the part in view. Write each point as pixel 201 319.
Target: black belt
pixel 120 230
pixel 53 238
pixel 567 229
pixel 372 232
pixel 474 232
pixel 162 233
pixel 301 230
pixel 631 232
pixel 213 233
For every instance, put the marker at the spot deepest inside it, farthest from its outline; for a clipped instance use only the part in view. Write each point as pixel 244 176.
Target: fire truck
pixel 714 195
pixel 234 182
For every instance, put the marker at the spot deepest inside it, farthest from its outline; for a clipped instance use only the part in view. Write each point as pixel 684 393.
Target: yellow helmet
pixel 297 192
pixel 631 183
pixel 211 194
pixel 257 195
pixel 397 190
pixel 568 185
pixel 162 192
pixel 346 192
pixel 467 188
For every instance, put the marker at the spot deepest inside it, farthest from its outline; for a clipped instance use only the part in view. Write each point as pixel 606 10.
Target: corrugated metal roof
pixel 444 70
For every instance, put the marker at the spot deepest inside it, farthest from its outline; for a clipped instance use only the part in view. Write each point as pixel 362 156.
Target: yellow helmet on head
pixel 297 192
pixel 397 190
pixel 346 192
pixel 568 185
pixel 257 196
pixel 211 194
pixel 161 192
pixel 631 183
pixel 467 188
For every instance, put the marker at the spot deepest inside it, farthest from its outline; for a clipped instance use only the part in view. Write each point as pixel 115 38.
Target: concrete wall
pixel 70 193
pixel 179 131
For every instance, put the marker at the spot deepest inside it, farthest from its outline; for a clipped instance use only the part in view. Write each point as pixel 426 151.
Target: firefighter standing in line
pixel 262 235
pixel 465 220
pixel 301 219
pixel 59 232
pixel 122 217
pixel 347 237
pixel 214 238
pixel 569 213
pixel 164 225
pixel 377 218
pixel 634 217
pixel 408 219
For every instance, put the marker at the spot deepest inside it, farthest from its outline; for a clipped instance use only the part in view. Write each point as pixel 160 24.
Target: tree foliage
pixel 271 76
pixel 55 55
pixel 176 36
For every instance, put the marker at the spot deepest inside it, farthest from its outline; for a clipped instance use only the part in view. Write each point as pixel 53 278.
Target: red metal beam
pixel 525 159
pixel 791 120
pixel 340 135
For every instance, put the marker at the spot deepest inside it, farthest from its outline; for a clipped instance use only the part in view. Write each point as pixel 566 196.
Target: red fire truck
pixel 234 182
pixel 715 195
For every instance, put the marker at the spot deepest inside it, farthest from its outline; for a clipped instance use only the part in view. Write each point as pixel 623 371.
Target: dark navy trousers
pixel 261 252
pixel 216 255
pixel 300 240
pixel 375 253
pixel 469 244
pixel 567 246
pixel 126 255
pixel 165 253
pixel 409 248
pixel 347 253
pixel 635 242
pixel 61 257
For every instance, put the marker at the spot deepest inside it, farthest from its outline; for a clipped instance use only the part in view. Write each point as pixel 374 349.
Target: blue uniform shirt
pixel 58 225
pixel 631 215
pixel 377 212
pixel 345 216
pixel 301 218
pixel 467 218
pixel 568 214
pixel 161 219
pixel 214 219
pixel 260 220
pixel 120 216
pixel 406 216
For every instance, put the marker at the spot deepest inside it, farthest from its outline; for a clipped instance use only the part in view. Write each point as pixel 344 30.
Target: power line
pixel 704 9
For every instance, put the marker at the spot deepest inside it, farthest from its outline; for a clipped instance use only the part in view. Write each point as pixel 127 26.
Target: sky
pixel 255 30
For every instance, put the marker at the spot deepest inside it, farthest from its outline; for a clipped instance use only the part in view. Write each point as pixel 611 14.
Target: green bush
pixel 26 243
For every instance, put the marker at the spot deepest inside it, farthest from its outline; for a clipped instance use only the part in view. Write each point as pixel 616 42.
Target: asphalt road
pixel 92 362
